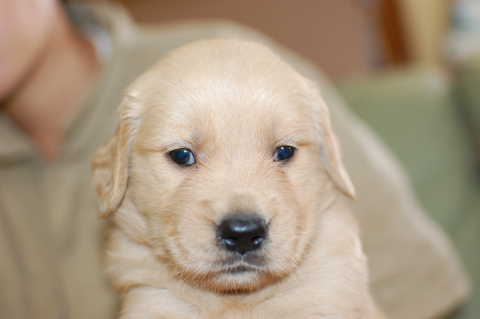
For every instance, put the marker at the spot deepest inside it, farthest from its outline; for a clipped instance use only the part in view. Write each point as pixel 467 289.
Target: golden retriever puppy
pixel 225 180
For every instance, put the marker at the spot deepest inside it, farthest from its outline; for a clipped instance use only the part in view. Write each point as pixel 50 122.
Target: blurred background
pixel 343 36
pixel 409 68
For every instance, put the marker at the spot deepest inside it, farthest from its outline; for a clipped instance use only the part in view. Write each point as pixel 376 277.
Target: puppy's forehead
pixel 226 86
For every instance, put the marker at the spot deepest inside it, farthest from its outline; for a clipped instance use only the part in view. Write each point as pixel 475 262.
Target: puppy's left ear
pixel 110 163
pixel 329 147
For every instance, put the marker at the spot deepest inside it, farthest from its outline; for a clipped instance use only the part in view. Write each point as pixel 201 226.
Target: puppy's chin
pixel 236 275
pixel 236 280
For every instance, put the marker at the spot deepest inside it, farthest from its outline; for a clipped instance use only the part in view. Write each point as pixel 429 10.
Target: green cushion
pixel 467 83
pixel 413 111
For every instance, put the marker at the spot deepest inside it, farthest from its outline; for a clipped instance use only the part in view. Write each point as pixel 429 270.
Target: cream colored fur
pixel 232 104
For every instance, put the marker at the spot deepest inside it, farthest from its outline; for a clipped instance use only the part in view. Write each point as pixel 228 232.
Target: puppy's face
pixel 225 164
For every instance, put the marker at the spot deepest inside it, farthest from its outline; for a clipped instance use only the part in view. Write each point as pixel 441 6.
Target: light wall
pixel 425 23
pixel 329 32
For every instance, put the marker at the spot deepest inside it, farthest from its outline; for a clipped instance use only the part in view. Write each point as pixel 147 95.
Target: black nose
pixel 242 233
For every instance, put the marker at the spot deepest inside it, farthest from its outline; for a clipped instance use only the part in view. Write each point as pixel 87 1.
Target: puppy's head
pixel 227 154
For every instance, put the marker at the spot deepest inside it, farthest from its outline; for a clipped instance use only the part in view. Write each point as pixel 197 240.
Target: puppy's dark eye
pixel 182 156
pixel 283 153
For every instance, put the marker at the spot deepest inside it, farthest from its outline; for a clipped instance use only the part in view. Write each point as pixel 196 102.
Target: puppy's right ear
pixel 329 148
pixel 110 163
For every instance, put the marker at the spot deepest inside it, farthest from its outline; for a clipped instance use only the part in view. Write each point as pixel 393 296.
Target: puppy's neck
pixel 131 222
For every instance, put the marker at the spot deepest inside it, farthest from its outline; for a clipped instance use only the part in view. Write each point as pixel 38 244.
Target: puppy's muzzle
pixel 242 233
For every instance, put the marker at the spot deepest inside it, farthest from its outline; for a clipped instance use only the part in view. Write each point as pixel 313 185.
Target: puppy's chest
pixel 288 310
pixel 302 305
pixel 231 307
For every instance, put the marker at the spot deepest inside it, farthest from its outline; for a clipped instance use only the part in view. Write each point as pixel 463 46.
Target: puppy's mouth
pixel 235 273
pixel 238 264
pixel 252 260
pixel 240 269
pixel 243 274
pixel 244 264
